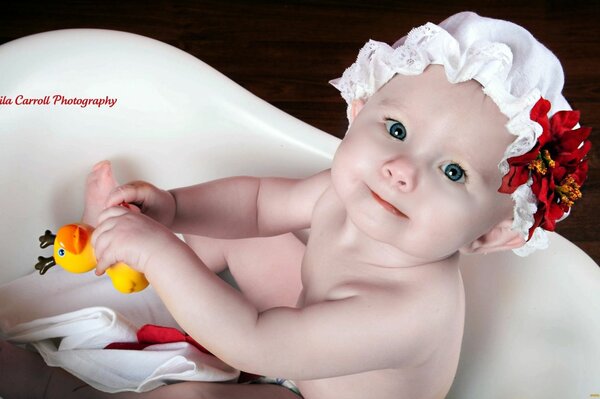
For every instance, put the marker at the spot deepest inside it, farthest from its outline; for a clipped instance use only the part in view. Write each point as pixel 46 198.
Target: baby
pixel 372 305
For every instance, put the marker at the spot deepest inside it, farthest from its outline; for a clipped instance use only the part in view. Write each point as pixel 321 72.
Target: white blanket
pixel 70 318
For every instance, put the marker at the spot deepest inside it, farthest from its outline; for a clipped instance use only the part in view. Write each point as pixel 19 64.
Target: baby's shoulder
pixel 408 319
pixel 437 300
pixel 309 190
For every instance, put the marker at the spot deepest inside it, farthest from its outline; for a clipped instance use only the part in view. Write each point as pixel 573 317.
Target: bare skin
pixel 387 226
pixel 381 309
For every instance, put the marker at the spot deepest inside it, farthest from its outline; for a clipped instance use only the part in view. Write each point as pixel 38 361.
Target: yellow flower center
pixel 542 163
pixel 568 191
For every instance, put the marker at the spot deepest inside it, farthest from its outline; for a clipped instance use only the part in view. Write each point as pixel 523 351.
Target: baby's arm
pixel 369 330
pixel 247 206
pixel 235 207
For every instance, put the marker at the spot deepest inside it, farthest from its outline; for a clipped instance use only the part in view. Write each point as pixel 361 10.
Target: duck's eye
pixel 61 252
pixel 454 172
pixel 396 129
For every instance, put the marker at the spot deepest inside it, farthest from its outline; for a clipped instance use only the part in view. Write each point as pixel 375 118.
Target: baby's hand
pixel 126 236
pixel 152 201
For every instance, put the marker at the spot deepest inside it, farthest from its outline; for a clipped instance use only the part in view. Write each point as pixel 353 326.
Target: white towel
pixel 75 342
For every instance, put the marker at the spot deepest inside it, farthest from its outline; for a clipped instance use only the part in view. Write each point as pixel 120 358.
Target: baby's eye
pixel 396 129
pixel 454 172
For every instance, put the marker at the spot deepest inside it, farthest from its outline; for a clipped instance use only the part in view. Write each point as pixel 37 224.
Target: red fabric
pixel 152 335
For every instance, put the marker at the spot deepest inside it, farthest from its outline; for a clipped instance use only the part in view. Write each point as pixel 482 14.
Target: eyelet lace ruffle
pixel 488 62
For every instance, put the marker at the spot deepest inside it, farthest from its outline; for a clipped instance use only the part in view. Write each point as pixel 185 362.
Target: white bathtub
pixel 532 325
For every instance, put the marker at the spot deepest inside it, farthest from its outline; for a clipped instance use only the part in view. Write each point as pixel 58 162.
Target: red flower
pixel 556 165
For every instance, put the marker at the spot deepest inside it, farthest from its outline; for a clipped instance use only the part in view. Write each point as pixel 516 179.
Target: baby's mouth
pixel 387 206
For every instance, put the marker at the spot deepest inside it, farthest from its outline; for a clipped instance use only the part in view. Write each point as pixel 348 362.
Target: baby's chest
pixel 322 273
pixel 328 267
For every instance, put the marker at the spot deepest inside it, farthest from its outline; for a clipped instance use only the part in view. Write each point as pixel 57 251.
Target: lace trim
pixel 487 62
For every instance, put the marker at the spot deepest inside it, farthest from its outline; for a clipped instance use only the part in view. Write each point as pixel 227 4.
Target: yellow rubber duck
pixel 73 252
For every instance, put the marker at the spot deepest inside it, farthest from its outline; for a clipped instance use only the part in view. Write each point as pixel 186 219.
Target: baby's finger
pixel 107 221
pixel 120 194
pixel 105 245
pixel 114 211
pixel 128 193
pixel 101 266
pixel 100 244
pixel 132 207
pixel 99 232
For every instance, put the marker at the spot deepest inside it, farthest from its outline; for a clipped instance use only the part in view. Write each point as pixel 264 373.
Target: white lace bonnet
pixel 511 65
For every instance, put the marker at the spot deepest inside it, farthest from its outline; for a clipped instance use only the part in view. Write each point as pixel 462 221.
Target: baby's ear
pixel 501 237
pixel 355 108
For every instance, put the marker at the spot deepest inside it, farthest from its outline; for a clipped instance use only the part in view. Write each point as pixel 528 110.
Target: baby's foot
pixel 23 374
pixel 99 184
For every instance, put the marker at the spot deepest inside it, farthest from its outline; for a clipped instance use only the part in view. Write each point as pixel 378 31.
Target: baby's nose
pixel 401 174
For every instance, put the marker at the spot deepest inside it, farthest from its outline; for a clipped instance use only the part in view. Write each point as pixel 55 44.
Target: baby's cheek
pixel 447 222
pixel 347 164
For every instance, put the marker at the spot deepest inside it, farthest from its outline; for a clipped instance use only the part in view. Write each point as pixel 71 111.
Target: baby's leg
pixel 98 185
pixel 267 269
pixel 24 375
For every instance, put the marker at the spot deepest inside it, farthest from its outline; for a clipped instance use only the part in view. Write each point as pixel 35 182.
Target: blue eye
pixel 396 129
pixel 454 172
pixel 61 252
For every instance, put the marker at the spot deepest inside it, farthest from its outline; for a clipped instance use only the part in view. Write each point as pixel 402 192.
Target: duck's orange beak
pixel 73 238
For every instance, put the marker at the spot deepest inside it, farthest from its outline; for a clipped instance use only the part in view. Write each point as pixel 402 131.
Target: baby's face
pixel 418 168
